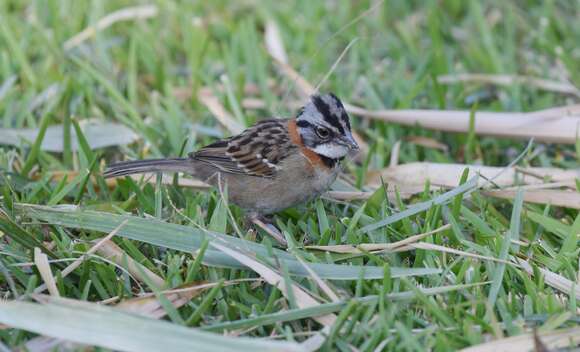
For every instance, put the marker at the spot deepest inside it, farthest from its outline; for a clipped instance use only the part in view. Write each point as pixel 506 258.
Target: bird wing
pixel 256 151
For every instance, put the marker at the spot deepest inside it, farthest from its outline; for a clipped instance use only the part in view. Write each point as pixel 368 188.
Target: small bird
pixel 273 165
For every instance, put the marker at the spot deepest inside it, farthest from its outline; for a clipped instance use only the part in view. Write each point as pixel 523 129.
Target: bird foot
pixel 265 224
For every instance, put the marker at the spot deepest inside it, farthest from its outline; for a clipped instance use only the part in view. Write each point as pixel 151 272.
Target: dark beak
pixel 350 142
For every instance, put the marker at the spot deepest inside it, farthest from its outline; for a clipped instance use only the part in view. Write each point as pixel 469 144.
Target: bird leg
pixel 266 224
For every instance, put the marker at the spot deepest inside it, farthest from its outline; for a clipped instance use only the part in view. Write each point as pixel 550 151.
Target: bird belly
pixel 288 188
pixel 295 183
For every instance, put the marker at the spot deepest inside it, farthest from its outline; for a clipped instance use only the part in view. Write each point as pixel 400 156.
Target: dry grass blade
pixel 126 14
pixel 149 306
pixel 356 195
pixel 438 248
pixel 321 283
pixel 560 198
pixel 259 104
pixel 525 342
pixel 361 195
pixel 427 142
pixel 41 261
pixel 395 151
pixel 508 80
pixel 274 43
pixel 204 286
pixel 207 98
pixel 69 269
pixel 347 195
pixel 557 125
pixel 373 247
pixel 304 87
pixel 114 253
pixel 303 299
pixel 556 281
pixel 407 244
pixel 315 342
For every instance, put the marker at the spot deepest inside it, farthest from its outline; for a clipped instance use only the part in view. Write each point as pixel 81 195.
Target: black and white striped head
pixel 324 127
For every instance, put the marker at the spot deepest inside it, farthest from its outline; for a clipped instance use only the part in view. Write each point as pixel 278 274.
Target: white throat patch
pixel 331 150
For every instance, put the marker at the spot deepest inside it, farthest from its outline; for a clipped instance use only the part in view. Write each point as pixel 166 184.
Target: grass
pixel 146 74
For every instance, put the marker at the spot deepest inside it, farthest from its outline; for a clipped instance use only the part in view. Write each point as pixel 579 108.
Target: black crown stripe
pixel 324 109
pixel 302 123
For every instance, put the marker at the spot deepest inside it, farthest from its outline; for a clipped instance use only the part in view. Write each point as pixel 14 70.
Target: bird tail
pixel 152 165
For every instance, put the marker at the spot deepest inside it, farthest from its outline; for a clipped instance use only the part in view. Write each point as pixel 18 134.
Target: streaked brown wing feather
pixel 257 151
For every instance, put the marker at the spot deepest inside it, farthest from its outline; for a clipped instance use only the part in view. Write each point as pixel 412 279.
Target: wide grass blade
pixel 98 135
pixel 92 324
pixel 188 239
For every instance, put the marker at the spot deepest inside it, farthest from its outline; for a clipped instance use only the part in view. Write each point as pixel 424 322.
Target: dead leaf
pixel 542 185
pixel 150 306
pixel 412 176
pixel 508 80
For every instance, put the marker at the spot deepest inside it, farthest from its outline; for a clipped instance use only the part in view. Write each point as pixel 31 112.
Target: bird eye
pixel 322 132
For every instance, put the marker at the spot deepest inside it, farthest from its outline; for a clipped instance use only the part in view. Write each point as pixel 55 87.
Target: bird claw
pixel 265 224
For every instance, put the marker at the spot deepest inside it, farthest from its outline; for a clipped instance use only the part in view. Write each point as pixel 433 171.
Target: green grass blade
pixel 190 239
pixel 96 325
pixel 326 308
pixel 512 234
pixel 420 207
pixel 35 150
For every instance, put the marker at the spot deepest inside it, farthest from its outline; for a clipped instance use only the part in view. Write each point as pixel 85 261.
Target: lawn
pixel 455 227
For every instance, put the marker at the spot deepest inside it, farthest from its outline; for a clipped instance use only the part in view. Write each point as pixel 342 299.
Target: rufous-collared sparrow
pixel 273 165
